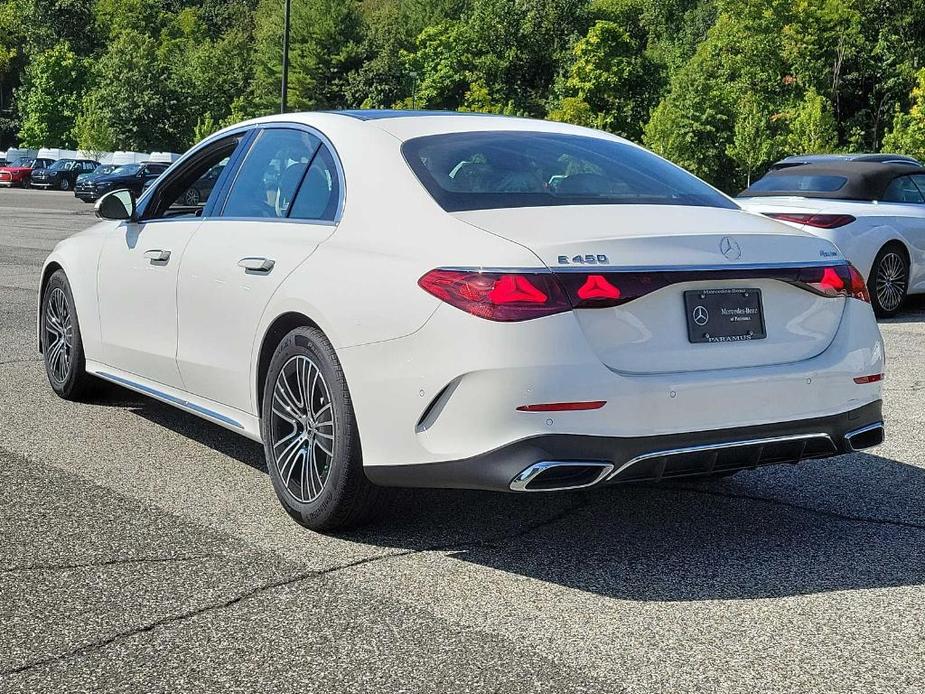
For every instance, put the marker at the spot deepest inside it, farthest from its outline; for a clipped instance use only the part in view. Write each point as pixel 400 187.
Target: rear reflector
pixel 819 221
pixel 563 406
pixel 873 378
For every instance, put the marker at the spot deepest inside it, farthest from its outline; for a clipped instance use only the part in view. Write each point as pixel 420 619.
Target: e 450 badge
pixel 583 260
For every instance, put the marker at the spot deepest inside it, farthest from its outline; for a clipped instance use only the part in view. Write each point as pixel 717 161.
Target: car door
pixel 138 267
pixel 904 201
pixel 282 203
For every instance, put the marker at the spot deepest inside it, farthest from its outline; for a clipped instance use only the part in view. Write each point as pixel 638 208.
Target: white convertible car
pixel 389 298
pixel 874 213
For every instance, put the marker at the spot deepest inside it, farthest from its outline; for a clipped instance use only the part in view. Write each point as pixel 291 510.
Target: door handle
pixel 156 255
pixel 257 265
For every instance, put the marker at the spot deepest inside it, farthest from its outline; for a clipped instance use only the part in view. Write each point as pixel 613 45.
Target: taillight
pixel 837 280
pixel 498 296
pixel 519 296
pixel 819 221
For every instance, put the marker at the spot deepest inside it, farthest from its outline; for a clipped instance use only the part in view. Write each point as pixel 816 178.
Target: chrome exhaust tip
pixel 560 475
pixel 865 437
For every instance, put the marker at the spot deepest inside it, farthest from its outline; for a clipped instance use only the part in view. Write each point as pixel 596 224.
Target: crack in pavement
pixel 809 509
pixel 287 581
pixel 101 564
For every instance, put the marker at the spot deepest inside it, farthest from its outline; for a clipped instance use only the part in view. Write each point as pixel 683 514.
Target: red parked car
pixel 19 172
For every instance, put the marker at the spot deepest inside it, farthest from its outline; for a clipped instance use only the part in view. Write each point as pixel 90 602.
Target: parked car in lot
pixel 874 212
pixel 403 298
pixel 128 177
pixel 62 175
pixel 83 187
pixel 19 172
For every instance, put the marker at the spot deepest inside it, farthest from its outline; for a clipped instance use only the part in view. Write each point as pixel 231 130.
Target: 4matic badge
pixel 583 260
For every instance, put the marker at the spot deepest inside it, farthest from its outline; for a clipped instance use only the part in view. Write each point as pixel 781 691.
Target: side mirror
pixel 118 205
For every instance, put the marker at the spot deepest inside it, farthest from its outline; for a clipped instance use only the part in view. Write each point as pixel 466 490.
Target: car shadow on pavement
pixel 845 523
pixel 756 535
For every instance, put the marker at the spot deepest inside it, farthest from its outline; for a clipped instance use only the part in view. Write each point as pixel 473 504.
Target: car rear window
pixel 492 170
pixel 799 183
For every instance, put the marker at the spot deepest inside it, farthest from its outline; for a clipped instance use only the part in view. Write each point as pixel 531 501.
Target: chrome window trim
pixel 325 141
pixel 718 447
pixel 214 218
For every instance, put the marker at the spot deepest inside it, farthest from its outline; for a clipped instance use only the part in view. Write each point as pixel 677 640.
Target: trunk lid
pixel 699 249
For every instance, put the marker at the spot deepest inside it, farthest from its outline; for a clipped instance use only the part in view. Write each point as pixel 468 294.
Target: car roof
pixel 381 113
pixel 884 157
pixel 865 180
pixel 406 124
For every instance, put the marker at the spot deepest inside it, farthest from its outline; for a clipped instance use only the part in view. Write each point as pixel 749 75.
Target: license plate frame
pixel 723 315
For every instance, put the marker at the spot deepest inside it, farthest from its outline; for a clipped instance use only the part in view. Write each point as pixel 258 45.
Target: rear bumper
pixel 612 460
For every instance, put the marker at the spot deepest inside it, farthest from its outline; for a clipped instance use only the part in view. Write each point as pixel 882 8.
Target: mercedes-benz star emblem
pixel 700 316
pixel 730 248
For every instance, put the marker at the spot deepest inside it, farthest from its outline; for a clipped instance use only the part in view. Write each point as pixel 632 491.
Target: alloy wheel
pixel 302 429
pixel 59 335
pixel 192 197
pixel 891 281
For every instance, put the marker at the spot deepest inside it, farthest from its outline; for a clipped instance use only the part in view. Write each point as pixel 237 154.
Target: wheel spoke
pixel 287 458
pixel 326 450
pixel 288 437
pixel 284 398
pixel 322 410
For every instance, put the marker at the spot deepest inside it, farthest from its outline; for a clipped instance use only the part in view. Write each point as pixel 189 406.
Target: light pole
pixel 283 97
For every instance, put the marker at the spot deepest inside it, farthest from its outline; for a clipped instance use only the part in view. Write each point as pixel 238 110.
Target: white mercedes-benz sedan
pixel 874 212
pixel 446 300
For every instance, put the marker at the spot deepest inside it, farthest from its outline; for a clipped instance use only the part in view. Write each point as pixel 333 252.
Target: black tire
pixel 26 183
pixel 889 280
pixel 293 443
pixel 64 185
pixel 62 347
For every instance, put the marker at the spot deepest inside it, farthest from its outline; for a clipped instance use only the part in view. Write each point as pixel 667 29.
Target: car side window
pixel 189 187
pixel 919 180
pixel 271 173
pixel 319 194
pixel 903 189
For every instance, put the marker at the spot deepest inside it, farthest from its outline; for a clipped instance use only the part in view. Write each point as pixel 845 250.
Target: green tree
pixel 91 131
pixel 611 74
pixel 908 133
pixel 753 142
pixel 505 54
pixel 812 126
pixel 325 47
pixel 50 97
pixel 142 107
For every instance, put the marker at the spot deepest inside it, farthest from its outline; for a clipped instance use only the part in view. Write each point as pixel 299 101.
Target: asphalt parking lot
pixel 142 549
